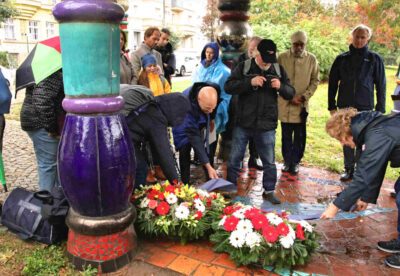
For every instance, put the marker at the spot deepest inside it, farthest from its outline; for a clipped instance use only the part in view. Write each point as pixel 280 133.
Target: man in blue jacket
pixel 204 98
pixel 351 84
pixel 5 103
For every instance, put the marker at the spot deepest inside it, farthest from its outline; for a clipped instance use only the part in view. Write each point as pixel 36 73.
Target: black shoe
pixel 393 261
pixel 271 198
pixel 294 169
pixel 286 167
pixel 392 246
pixel 347 175
pixel 255 163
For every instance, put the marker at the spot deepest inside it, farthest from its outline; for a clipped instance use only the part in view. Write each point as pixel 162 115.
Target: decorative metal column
pixel 96 158
pixel 234 31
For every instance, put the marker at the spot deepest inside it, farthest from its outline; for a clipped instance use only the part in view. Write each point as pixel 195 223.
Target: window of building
pixel 9 29
pixel 50 29
pixel 34 30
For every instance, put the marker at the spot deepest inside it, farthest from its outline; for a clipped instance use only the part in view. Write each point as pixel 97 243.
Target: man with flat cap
pixel 258 82
pixel 303 72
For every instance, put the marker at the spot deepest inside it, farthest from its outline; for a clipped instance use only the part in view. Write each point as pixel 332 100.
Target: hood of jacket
pixel 215 47
pixel 360 122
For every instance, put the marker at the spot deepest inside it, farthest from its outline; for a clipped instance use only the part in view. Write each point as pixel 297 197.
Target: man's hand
pixel 333 111
pixel 361 205
pixel 330 212
pixel 212 173
pixel 297 100
pixel 258 81
pixel 276 83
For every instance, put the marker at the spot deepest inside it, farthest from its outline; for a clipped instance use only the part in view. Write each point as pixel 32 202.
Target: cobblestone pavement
pixel 19 159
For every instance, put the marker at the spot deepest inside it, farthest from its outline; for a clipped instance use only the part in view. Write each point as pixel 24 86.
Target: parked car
pixel 185 64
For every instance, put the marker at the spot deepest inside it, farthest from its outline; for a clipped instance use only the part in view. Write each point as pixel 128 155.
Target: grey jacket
pixel 141 51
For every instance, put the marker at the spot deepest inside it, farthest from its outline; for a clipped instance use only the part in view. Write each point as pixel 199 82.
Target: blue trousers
pixel 397 190
pixel 265 145
pixel 45 148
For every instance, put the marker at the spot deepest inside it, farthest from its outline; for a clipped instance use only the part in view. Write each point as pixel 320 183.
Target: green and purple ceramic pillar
pixel 96 158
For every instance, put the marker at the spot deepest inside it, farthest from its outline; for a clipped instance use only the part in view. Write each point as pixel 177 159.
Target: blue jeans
pixel 265 145
pixel 46 148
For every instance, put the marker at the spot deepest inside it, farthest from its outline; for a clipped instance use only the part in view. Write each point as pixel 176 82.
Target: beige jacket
pixel 127 75
pixel 303 73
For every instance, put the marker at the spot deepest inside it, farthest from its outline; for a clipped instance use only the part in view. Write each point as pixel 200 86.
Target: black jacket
pixel 168 57
pixel 377 142
pixel 42 105
pixel 356 83
pixel 257 107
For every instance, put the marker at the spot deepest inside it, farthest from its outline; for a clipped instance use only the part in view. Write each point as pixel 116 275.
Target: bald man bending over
pixel 204 99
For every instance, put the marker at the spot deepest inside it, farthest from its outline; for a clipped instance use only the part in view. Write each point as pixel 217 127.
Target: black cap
pixel 267 49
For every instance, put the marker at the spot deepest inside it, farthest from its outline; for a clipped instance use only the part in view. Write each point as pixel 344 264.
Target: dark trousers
pixel 141 165
pixel 397 190
pixel 293 142
pixel 252 150
pixel 350 157
pixel 184 163
pixel 2 127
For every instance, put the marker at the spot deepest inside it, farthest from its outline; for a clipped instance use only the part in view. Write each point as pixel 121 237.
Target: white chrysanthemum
pixel 144 203
pixel 253 239
pixel 274 219
pixel 286 241
pixel 291 233
pixel 308 227
pixel 222 221
pixel 171 199
pixel 198 204
pixel 203 193
pixel 182 212
pixel 237 238
pixel 239 213
pixel 245 226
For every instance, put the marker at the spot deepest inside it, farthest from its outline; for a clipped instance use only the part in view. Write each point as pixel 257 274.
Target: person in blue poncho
pixel 212 69
pixel 5 103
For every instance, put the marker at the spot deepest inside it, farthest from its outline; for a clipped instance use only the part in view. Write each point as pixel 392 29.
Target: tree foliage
pixel 7 10
pixel 328 26
pixel 210 20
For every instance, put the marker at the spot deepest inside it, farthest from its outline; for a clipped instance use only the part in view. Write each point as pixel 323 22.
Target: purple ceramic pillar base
pixel 96 164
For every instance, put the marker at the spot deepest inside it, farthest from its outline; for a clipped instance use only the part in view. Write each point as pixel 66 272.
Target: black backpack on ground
pixel 38 216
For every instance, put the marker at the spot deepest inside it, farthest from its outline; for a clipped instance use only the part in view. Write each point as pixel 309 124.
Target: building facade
pixel 35 22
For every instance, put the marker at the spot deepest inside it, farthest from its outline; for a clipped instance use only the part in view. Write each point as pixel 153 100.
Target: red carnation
pixel 283 229
pixel 228 210
pixel 209 202
pixel 299 232
pixel 152 204
pixel 249 214
pixel 284 215
pixel 170 189
pixel 231 223
pixel 160 196
pixel 259 221
pixel 152 194
pixel 270 233
pixel 198 215
pixel 162 208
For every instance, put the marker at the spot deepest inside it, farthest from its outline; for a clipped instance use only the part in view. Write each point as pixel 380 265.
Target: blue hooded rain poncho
pixel 217 73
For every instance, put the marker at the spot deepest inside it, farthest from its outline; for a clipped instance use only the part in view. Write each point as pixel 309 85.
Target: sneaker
pixel 392 246
pixel 271 198
pixel 294 169
pixel 393 261
pixel 347 175
pixel 286 168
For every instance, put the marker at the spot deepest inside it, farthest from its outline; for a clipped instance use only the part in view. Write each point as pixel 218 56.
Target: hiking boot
pixel 393 261
pixel 392 246
pixel 347 175
pixel 270 196
pixel 294 169
pixel 286 168
pixel 159 174
pixel 255 163
pixel 151 179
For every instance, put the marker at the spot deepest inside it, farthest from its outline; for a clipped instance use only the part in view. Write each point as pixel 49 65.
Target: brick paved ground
pixel 349 246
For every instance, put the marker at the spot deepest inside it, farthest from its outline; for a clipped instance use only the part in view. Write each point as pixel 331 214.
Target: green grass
pixel 321 150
